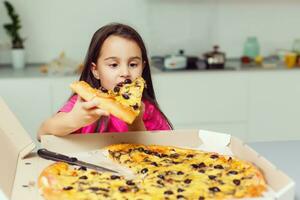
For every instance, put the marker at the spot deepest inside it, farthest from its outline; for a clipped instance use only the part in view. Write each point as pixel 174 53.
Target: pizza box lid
pixel 15 142
pixel 18 177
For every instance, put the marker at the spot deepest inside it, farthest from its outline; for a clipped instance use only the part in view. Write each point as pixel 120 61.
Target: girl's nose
pixel 125 72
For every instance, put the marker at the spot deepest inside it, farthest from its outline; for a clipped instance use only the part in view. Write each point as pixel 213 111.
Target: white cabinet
pixel 274 105
pixel 33 100
pixel 216 101
pixel 29 100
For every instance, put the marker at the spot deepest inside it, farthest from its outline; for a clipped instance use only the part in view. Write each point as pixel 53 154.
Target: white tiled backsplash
pixel 166 25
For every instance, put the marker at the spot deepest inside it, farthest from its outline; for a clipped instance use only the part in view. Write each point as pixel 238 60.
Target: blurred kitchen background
pixel 226 65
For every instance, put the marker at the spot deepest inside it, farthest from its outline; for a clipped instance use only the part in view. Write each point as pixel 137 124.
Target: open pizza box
pixel 20 166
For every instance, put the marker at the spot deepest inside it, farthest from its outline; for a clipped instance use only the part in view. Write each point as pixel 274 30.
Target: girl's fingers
pixel 90 104
pixel 100 112
pixel 97 112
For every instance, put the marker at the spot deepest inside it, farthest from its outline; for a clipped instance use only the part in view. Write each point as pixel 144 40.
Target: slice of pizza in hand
pixel 130 93
pixel 115 102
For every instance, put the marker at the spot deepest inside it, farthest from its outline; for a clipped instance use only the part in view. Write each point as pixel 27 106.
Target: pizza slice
pixel 124 102
pixel 129 93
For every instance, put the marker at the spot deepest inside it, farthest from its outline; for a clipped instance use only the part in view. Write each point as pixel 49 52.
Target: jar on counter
pixel 251 47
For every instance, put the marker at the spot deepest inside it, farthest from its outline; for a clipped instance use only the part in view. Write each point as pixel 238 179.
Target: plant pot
pixel 18 58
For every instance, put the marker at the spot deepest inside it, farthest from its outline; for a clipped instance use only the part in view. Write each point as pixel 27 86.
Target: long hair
pixel 94 49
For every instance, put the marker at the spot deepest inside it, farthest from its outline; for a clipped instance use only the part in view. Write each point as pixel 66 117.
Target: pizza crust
pixel 108 103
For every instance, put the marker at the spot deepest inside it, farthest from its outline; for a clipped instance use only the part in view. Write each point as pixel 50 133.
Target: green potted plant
pixel 13 31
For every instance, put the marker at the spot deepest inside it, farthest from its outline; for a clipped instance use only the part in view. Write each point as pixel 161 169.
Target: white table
pixel 285 155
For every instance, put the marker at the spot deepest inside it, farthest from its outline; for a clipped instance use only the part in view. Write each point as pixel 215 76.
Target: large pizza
pixel 161 172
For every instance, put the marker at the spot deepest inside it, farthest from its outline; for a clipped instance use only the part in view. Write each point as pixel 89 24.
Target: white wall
pixel 166 25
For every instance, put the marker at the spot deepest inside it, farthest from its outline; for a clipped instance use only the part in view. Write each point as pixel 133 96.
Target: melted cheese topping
pixel 162 173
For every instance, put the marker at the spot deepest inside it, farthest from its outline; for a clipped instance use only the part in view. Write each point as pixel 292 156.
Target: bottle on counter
pixel 296 49
pixel 251 47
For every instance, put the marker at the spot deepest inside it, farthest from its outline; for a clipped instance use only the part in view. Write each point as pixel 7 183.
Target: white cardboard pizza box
pixel 20 166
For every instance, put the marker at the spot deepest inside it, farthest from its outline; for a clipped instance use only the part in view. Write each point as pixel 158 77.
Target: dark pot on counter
pixel 215 59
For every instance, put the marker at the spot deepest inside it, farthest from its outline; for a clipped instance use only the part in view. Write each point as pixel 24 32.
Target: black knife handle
pixel 49 155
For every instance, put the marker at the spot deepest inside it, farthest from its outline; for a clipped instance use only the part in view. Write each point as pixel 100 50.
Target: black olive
pixel 180 190
pixel 174 155
pixel 116 89
pixel 160 182
pixel 68 188
pixel 82 168
pixel 236 181
pixel 180 173
pixel 127 81
pixel 125 96
pixel 232 172
pixel 187 181
pixel 94 189
pixel 202 164
pixel 103 89
pixel 195 166
pixel 212 177
pixel 161 176
pixel 144 171
pixel 154 164
pixel 190 156
pixel 156 154
pixel 201 171
pixel 214 189
pixel 180 196
pixel 136 106
pixel 120 84
pixel 146 151
pixel 168 192
pixel 140 149
pixel 113 177
pixel 164 155
pixel 201 198
pixel 214 156
pixel 122 189
pixel 83 177
pixel 130 182
pixel 218 167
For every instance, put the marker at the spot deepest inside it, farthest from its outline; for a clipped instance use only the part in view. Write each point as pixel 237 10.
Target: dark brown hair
pixel 94 49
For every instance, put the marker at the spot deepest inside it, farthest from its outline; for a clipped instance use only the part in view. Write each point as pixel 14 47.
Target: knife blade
pixel 49 155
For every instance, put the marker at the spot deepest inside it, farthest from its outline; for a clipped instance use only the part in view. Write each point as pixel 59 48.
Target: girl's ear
pixel 94 70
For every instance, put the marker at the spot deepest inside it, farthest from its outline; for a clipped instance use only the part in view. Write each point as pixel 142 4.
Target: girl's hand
pixel 86 112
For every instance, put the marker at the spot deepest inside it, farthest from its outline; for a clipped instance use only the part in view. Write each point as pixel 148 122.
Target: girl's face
pixel 119 59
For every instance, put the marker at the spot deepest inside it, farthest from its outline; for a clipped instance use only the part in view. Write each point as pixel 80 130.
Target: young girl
pixel 116 53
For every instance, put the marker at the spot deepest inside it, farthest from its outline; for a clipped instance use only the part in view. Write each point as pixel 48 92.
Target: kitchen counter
pixel 284 155
pixel 232 65
pixel 33 70
pixel 30 71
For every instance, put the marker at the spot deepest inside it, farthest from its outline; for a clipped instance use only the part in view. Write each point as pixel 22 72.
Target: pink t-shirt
pixel 153 120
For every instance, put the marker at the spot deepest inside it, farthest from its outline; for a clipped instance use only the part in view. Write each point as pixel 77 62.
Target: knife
pixel 49 155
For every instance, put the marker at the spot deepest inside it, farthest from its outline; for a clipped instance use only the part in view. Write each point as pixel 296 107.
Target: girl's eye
pixel 132 64
pixel 113 65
